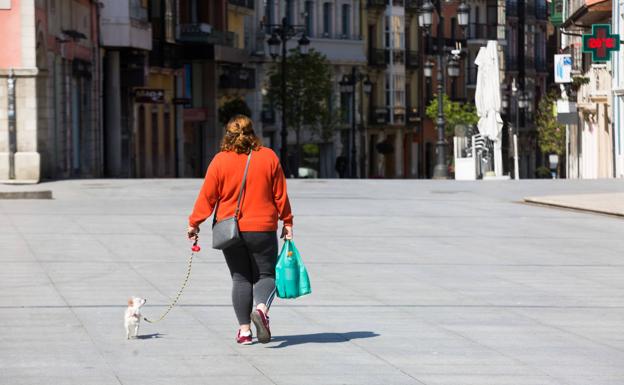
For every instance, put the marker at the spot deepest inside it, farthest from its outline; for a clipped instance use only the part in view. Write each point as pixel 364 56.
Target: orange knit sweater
pixel 265 198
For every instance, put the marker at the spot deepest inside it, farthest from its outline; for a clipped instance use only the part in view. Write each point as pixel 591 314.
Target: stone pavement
pixel 606 203
pixel 414 282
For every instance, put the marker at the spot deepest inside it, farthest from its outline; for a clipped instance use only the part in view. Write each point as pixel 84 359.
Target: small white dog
pixel 133 316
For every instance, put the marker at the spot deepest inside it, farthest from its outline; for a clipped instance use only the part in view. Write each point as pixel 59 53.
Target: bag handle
pixel 240 194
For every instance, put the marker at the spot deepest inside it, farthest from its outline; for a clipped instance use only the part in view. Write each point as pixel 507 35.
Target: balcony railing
pixel 204 33
pixel 482 31
pixel 138 12
pixel 238 78
pixel 598 89
pixel 398 57
pixel 413 5
pixel 243 3
pixel 376 3
pixel 379 115
pixel 378 57
pixel 413 59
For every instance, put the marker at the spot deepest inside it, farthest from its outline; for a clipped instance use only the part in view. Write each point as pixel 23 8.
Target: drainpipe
pixel 12 128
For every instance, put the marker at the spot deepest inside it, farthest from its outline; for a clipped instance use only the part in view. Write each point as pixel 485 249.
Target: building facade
pixel 526 65
pixel 54 58
pixel 590 142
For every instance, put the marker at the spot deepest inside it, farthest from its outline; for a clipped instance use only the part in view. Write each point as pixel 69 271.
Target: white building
pixel 618 93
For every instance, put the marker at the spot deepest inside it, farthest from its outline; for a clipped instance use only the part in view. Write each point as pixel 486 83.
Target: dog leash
pixel 195 248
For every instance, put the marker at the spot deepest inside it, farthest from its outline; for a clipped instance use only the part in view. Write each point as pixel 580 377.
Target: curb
pixel 42 194
pixel 573 208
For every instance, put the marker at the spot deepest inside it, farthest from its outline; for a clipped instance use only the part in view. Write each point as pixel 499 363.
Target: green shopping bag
pixel 291 276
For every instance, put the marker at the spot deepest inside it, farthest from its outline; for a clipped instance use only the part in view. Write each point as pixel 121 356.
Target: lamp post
pixel 425 20
pixel 521 102
pixel 280 34
pixel 348 84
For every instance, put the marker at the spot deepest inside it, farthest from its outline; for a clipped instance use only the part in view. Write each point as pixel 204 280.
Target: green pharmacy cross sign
pixel 601 42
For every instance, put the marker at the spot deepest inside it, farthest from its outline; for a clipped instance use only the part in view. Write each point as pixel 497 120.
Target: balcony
pixel 338 49
pixel 412 6
pixel 125 27
pixel 413 59
pixel 482 31
pixel 598 90
pixel 243 3
pixel 379 115
pixel 378 57
pixel 376 4
pixel 164 54
pixel 431 47
pixel 413 115
pixel 398 57
pixel 237 78
pixel 204 34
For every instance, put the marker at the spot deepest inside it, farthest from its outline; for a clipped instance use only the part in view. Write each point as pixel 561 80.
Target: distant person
pixel 341 166
pixel 265 199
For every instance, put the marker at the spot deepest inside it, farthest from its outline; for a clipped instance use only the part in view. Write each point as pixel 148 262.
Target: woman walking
pixel 265 199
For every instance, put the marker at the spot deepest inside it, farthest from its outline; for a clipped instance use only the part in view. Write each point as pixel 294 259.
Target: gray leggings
pixel 252 267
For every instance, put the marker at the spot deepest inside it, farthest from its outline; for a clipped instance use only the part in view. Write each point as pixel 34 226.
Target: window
pixel 388 91
pixel 269 13
pixel 309 18
pixel 394 32
pixel 387 32
pixel 399 90
pixel 345 107
pixel 290 12
pixel 346 19
pixel 327 17
pixel 453 29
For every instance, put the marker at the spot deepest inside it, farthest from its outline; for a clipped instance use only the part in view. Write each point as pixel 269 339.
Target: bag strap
pixel 240 194
pixel 243 183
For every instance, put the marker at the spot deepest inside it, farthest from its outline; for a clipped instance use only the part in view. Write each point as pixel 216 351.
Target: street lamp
pixel 428 70
pixel 348 85
pixel 426 20
pixel 453 68
pixel 280 34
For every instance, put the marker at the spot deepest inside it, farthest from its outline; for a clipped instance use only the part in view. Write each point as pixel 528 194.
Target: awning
pixel 591 12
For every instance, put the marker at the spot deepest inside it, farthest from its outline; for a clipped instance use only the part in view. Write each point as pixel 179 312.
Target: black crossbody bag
pixel 225 233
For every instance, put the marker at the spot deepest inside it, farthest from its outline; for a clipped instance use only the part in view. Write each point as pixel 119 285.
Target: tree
pixel 550 134
pixel 231 108
pixel 454 113
pixel 308 84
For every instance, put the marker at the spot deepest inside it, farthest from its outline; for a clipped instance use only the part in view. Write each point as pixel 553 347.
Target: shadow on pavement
pixel 149 336
pixel 320 338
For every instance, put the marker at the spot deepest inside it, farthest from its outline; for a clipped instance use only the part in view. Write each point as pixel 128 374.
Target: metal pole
pixel 515 138
pixel 353 149
pixel 440 171
pixel 12 128
pixel 284 132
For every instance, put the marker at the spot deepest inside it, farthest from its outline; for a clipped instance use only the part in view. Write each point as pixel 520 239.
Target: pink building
pixel 51 48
